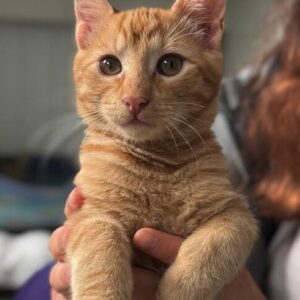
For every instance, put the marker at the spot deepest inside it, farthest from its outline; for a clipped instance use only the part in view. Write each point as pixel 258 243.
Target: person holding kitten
pixel 147 82
pixel 159 245
pixel 165 247
pixel 278 196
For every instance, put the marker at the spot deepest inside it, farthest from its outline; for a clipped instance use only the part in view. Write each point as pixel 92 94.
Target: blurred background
pixel 39 130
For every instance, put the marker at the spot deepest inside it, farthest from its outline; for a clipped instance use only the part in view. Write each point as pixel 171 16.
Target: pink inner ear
pixel 217 8
pixel 83 32
pixel 89 13
pixel 208 14
pixel 216 13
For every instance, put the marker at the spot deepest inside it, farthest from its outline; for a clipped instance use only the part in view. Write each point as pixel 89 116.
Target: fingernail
pixel 145 240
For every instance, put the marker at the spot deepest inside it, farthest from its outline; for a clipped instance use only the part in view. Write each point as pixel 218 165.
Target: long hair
pixel 272 106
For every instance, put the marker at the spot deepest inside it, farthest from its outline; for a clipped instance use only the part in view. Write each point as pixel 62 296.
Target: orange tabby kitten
pixel 147 84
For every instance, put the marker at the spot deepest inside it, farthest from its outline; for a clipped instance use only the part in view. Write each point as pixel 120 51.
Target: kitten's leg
pixel 210 257
pixel 99 253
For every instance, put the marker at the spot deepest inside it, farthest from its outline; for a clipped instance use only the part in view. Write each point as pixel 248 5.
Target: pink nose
pixel 135 105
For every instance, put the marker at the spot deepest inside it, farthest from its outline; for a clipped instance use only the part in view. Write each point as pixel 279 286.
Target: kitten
pixel 147 84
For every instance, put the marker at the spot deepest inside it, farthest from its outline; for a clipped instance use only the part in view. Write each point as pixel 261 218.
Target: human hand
pixel 159 245
pixel 242 287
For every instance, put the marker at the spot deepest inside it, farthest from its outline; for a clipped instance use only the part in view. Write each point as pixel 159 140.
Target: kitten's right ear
pixel 89 14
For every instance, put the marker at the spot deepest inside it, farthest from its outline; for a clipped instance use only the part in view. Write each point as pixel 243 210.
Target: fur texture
pixel 164 170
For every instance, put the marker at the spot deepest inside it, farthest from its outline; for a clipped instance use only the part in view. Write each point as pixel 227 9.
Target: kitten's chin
pixel 136 123
pixel 139 131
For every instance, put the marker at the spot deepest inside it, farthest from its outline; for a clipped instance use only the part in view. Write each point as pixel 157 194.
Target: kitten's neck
pixel 162 153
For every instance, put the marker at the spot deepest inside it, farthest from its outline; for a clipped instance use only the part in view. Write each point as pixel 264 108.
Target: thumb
pixel 159 245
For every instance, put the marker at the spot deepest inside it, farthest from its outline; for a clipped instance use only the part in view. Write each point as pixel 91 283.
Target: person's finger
pixel 58 242
pixel 145 284
pixel 57 296
pixel 242 287
pixel 74 202
pixel 160 245
pixel 60 278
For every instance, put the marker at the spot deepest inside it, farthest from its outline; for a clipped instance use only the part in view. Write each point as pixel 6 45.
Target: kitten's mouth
pixel 136 122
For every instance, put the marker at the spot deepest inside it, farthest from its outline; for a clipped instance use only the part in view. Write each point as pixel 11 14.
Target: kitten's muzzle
pixel 135 105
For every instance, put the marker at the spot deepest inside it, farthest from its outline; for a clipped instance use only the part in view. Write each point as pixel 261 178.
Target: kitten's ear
pixel 89 14
pixel 205 17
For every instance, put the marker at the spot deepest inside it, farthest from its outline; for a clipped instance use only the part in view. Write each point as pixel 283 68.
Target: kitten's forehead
pixel 143 24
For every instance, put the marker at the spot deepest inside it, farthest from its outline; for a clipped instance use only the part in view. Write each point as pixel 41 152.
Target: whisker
pixel 192 128
pixel 174 27
pixel 163 112
pixel 175 104
pixel 183 136
pixel 173 138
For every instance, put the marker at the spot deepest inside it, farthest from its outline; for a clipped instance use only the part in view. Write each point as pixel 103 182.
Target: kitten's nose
pixel 135 105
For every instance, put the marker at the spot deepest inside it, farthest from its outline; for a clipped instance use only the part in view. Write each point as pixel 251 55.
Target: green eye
pixel 170 65
pixel 110 65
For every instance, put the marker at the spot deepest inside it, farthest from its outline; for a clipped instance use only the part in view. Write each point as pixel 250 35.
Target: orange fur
pixel 168 174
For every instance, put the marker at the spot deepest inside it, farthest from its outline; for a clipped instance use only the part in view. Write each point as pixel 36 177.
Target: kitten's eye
pixel 110 65
pixel 170 65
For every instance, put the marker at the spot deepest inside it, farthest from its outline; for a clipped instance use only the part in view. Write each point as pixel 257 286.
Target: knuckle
pixel 57 296
pixel 53 277
pixel 55 244
pixel 52 242
pixel 57 278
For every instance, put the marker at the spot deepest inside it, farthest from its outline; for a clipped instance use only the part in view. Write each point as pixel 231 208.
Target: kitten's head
pixel 149 74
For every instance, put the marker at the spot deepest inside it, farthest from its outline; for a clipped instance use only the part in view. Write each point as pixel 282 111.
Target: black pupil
pixel 110 66
pixel 170 66
pixel 171 63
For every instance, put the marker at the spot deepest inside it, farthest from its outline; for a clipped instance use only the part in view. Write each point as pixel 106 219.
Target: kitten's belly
pixel 137 197
pixel 151 206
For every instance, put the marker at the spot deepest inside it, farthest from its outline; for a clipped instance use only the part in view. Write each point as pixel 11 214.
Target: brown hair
pixel 272 105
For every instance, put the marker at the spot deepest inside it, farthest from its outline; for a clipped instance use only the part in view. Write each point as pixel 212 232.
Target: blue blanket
pixel 24 207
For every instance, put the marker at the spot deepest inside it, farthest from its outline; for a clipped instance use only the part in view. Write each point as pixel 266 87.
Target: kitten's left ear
pixel 206 18
pixel 89 14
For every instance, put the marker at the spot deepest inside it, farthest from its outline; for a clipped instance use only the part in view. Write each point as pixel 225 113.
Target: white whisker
pixel 173 138
pixel 192 128
pixel 183 136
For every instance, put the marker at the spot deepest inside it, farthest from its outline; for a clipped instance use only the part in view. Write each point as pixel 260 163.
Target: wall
pixel 35 81
pixel 244 26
